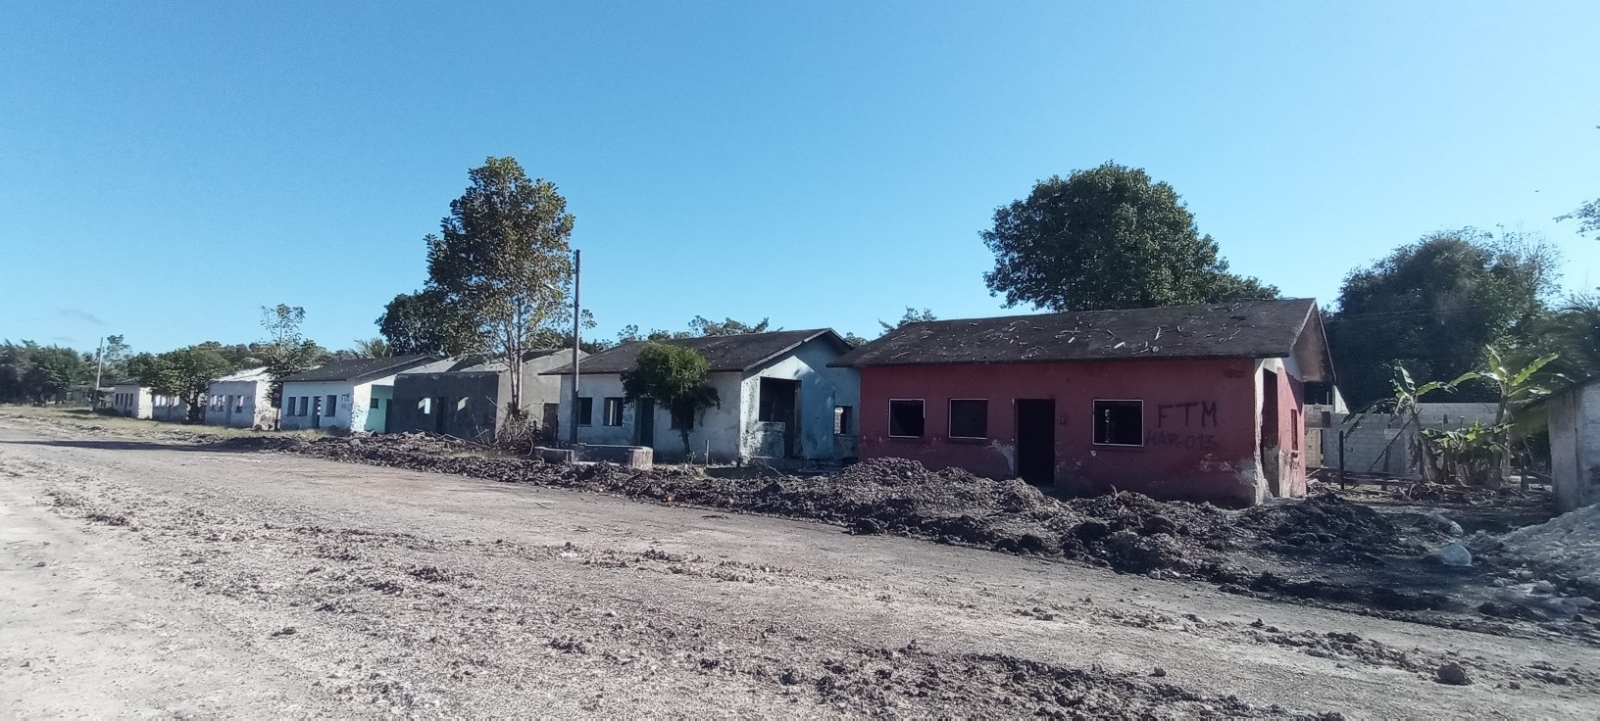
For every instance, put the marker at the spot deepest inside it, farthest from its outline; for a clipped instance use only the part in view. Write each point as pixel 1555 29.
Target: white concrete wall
pixel 132 400
pixel 1574 421
pixel 350 410
pixel 239 404
pixel 1382 444
pixel 717 429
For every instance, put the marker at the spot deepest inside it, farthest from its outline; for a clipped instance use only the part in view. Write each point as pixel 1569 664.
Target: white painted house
pixel 132 400
pixel 780 402
pixel 241 400
pixel 353 394
pixel 1573 416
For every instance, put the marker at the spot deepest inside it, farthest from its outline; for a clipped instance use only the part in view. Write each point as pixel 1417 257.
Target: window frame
pixel 950 417
pixel 1094 422
pixel 922 403
pixel 605 411
pixel 586 411
pixel 331 408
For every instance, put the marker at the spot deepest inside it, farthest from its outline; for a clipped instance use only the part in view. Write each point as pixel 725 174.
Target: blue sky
pixel 167 169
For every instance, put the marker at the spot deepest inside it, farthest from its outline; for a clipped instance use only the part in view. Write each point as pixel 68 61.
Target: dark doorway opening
pixel 780 403
pixel 441 409
pixel 644 422
pixel 1269 429
pixel 1036 440
pixel 552 421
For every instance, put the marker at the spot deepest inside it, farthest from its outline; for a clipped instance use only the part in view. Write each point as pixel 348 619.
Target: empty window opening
pixel 843 420
pixel 305 405
pixel 238 404
pixel 585 411
pixel 1119 423
pixel 905 419
pixel 613 412
pixel 332 408
pixel 1294 430
pixel 969 418
pixel 374 403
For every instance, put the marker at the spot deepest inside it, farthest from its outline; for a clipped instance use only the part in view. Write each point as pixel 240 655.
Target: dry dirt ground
pixel 148 577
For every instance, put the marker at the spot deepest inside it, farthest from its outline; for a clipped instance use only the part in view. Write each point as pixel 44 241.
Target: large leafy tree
pixel 675 378
pixel 1108 238
pixel 699 327
pixel 425 323
pixel 502 259
pixel 186 374
pixel 1433 306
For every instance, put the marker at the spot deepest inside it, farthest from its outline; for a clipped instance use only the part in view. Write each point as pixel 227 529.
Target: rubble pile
pixel 1568 543
pixel 1333 526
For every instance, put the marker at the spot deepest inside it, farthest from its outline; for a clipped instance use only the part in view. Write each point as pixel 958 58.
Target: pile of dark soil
pixel 1125 531
pixel 1328 525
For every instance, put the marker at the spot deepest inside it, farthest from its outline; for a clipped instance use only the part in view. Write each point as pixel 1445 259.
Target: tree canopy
pixel 1433 306
pixel 185 373
pixel 1108 238
pixel 425 323
pixel 675 378
pixel 699 327
pixel 31 373
pixel 286 351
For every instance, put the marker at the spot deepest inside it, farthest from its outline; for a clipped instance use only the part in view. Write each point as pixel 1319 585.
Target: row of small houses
pixel 1201 402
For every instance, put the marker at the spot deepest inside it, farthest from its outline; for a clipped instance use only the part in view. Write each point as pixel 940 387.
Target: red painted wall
pixel 1199 419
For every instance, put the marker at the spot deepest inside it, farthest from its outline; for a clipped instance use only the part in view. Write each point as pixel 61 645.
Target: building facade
pixel 132 400
pixel 470 398
pixel 1197 403
pixel 780 401
pixel 348 395
pixel 241 400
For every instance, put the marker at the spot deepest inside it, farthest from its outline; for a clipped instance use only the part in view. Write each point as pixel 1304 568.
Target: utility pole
pixel 577 328
pixel 100 367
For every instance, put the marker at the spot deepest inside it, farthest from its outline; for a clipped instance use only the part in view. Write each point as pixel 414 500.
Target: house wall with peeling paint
pixel 1201 423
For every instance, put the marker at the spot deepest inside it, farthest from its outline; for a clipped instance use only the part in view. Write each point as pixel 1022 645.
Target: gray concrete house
pixel 241 400
pixel 468 399
pixel 781 402
pixel 1573 416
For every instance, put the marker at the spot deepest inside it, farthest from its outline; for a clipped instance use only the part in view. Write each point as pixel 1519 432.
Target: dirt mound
pixel 1329 525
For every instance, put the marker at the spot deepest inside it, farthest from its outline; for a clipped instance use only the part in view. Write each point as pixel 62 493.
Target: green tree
pixel 502 257
pixel 285 351
pixel 1432 306
pixel 1107 238
pixel 427 323
pixel 371 348
pixel 912 315
pixel 674 377
pixel 703 327
pixel 186 374
pixel 31 373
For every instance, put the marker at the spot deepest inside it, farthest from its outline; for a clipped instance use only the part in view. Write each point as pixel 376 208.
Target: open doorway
pixel 1036 440
pixel 780 403
pixel 644 422
pixel 1269 430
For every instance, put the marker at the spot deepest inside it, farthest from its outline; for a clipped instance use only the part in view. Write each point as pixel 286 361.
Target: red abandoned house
pixel 1201 403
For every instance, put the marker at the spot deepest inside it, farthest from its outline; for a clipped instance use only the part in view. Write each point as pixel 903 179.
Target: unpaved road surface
pixel 142 578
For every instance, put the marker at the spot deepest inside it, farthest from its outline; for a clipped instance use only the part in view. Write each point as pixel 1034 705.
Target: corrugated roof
pixel 723 353
pixel 360 369
pixel 1254 329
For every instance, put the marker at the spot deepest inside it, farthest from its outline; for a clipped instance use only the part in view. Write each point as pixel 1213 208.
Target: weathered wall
pixel 1383 443
pixel 239 404
pixel 821 388
pixel 1200 422
pixel 472 407
pixel 132 400
pixel 717 430
pixel 1574 422
pixel 351 410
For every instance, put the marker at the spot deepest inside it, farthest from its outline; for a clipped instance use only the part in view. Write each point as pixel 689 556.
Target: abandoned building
pixel 132 400
pixel 781 401
pixel 1198 403
pixel 352 394
pixel 241 400
pixel 468 399
pixel 1573 417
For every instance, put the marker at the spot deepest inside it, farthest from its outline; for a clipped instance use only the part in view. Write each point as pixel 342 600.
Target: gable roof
pixel 723 353
pixel 360 369
pixel 1251 329
pixel 249 374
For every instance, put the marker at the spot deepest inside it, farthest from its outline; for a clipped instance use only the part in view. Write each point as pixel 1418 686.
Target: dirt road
pixel 142 577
